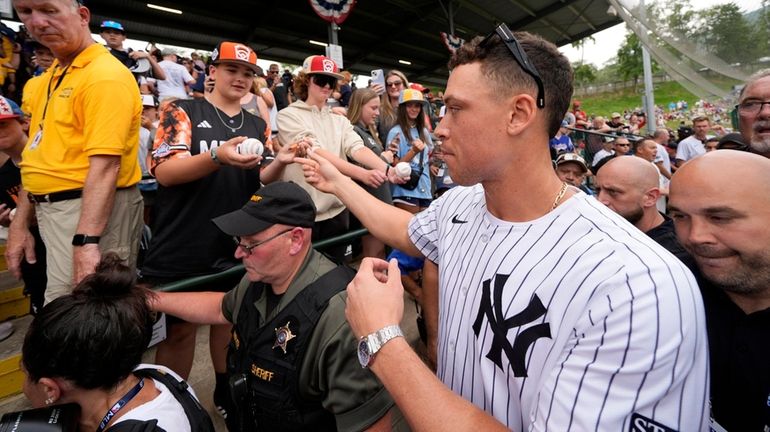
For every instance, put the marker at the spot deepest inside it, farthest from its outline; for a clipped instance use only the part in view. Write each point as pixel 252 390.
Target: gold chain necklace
pixel 559 196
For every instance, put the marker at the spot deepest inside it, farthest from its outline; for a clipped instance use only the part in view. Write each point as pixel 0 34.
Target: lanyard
pixel 50 92
pixel 120 404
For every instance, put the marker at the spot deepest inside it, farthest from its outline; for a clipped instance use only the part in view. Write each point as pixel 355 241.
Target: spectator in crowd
pixel 732 141
pixel 720 204
pixel 13 137
pixel 10 60
pixel 254 103
pixel 616 122
pixel 86 348
pixel 711 144
pixel 415 144
pixel 278 87
pixel 754 117
pixel 561 142
pixel 345 91
pixel 577 109
pixel 662 159
pixel 289 326
pixel 572 169
pixel 332 135
pixel 80 167
pixel 177 77
pixel 363 111
pixel 43 58
pixel 620 147
pixel 629 186
pixel 595 142
pixel 148 185
pixel 694 145
pixel 647 149
pixel 267 96
pixel 606 150
pixel 395 83
pixel 202 174
pixel 114 35
pixel 519 250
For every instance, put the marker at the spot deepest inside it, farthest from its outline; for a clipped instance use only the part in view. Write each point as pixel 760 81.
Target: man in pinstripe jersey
pixel 554 312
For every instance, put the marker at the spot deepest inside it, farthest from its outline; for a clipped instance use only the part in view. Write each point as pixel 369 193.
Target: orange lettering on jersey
pixel 262 374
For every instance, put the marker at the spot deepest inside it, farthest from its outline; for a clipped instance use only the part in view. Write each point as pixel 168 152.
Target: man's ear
pixel 522 113
pixel 651 197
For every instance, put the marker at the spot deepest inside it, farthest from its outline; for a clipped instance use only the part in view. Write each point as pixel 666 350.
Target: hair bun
pixel 111 278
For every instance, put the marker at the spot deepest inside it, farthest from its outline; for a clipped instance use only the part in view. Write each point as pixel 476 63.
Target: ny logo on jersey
pixel 500 325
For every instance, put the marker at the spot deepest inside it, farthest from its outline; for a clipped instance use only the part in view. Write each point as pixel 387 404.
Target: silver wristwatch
pixel 369 345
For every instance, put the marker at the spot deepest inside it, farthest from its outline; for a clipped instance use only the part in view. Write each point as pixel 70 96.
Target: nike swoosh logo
pixel 458 221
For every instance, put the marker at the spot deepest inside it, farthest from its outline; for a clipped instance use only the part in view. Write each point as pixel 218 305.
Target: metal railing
pixel 196 281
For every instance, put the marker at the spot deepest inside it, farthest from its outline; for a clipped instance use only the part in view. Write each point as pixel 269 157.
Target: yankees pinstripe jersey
pixel 575 321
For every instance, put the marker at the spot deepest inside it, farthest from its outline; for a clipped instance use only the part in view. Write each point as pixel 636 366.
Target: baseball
pixel 403 169
pixel 250 146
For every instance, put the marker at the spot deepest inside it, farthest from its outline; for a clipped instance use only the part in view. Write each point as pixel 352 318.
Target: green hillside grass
pixel 605 104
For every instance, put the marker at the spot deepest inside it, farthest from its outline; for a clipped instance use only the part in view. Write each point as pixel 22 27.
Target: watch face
pixel 363 353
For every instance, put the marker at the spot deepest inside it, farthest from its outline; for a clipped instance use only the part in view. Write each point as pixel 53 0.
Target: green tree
pixel 585 73
pixel 629 65
pixel 726 33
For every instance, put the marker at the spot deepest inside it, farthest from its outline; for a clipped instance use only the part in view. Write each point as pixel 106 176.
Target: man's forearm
pixel 198 308
pixel 413 387
pixel 98 194
pixel 384 221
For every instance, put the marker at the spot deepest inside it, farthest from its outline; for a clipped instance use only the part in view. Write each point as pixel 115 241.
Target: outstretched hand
pixel 375 297
pixel 320 173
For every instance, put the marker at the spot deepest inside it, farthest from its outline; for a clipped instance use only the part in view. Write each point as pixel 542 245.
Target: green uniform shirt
pixel 330 371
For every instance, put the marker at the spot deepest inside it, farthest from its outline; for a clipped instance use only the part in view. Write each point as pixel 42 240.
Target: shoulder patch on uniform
pixel 640 423
pixel 163 150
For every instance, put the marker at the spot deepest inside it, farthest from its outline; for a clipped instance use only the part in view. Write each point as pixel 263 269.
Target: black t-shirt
pixel 739 347
pixel 184 240
pixel 665 236
pixel 10 183
pixel 123 56
pixel 280 93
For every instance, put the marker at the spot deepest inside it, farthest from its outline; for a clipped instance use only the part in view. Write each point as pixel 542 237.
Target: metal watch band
pixel 377 339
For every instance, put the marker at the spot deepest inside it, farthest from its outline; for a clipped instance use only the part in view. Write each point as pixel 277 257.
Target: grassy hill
pixel 606 103
pixel 671 91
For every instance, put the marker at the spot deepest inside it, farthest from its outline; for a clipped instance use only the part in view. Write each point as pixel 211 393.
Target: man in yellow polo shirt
pixel 80 168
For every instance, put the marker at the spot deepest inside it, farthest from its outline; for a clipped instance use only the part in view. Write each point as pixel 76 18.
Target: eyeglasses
pixel 622 145
pixel 324 80
pixel 520 56
pixel 751 107
pixel 394 84
pixel 272 72
pixel 247 249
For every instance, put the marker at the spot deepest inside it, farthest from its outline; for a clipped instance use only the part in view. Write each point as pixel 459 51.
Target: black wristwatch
pixel 84 239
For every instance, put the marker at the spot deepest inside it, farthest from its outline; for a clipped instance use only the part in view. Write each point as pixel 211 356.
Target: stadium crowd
pixel 569 271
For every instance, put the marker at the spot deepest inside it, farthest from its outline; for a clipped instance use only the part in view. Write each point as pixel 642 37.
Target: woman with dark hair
pixel 83 348
pixel 363 110
pixel 414 147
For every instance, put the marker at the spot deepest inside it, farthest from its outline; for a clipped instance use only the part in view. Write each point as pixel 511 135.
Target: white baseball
pixel 250 146
pixel 403 169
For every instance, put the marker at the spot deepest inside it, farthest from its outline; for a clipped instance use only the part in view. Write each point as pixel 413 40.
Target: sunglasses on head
pixel 323 80
pixel 520 56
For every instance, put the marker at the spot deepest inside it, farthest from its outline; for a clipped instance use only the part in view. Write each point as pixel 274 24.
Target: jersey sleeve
pixel 173 137
pixel 423 231
pixel 353 394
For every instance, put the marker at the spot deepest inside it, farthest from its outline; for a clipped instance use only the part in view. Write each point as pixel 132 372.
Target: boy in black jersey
pixel 201 175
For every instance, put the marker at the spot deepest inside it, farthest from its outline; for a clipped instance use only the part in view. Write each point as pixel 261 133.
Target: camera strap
pixel 120 404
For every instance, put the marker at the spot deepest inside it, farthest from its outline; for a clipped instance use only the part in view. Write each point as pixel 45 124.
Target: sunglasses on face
pixel 324 80
pixel 394 84
pixel 520 56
